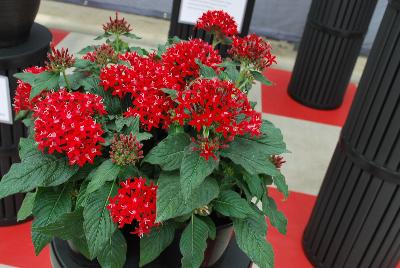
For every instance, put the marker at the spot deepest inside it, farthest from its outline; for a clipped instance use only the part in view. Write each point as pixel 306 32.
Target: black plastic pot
pixel 16 20
pixel 222 252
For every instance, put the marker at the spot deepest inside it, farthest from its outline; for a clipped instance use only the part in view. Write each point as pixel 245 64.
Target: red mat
pixel 275 100
pixel 58 36
pixel 16 248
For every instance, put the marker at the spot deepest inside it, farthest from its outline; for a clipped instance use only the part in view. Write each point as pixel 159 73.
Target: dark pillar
pixel 356 220
pixel 329 48
pixel 14 60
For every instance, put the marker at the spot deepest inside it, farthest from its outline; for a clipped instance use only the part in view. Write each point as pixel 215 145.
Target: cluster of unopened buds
pixel 117 26
pixel 59 60
pixel 125 150
pixel 102 55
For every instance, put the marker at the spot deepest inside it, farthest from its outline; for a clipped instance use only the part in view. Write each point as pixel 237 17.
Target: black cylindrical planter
pixel 14 60
pixel 329 48
pixel 356 220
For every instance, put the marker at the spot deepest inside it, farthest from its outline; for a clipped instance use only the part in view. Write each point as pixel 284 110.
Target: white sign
pixel 5 101
pixel 191 10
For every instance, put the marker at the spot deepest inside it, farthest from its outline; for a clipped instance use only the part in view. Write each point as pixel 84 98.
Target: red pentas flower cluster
pixel 180 59
pixel 218 22
pixel 64 123
pixel 252 49
pixel 217 106
pixel 135 201
pixel 144 81
pixel 23 91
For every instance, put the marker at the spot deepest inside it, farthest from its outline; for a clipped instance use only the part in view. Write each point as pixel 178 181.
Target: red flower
pixel 135 202
pixel 117 78
pixel 208 146
pixel 117 26
pixel 218 107
pixel 252 49
pixel 180 59
pixel 218 22
pixel 59 60
pixel 64 123
pixel 23 91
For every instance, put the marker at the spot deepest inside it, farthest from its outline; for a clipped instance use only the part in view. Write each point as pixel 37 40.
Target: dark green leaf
pixel 255 185
pixel 261 78
pixel 193 243
pixel 253 244
pixel 129 124
pixel 276 217
pixel 36 169
pixel 170 201
pixel 171 92
pixel 194 169
pixel 281 184
pixel 153 244
pixel 131 35
pixel 50 204
pixel 98 224
pixel 44 81
pixel 113 254
pixel 67 227
pixel 251 155
pixel 206 71
pixel 140 51
pixel 212 230
pixel 27 206
pixel 87 49
pixel 230 204
pixel 102 36
pixel 26 77
pixel 142 136
pixel 81 245
pixel 272 138
pixel 169 152
pixel 107 171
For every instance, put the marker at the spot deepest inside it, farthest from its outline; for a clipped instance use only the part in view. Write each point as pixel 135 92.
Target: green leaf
pixel 73 79
pixel 50 204
pixel 87 49
pixel 193 243
pixel 26 77
pixel 231 73
pixel 107 171
pixel 230 204
pixel 131 35
pixel 170 201
pixel 104 35
pixel 113 254
pixel 212 230
pixel 254 244
pixel 140 51
pixel 261 78
pixel 36 169
pixel 27 148
pixel 171 92
pixel 271 139
pixel 153 244
pixel 98 224
pixel 281 184
pixel 67 227
pixel 255 185
pixel 81 245
pixel 276 217
pixel 130 123
pixel 27 207
pixel 142 136
pixel 90 83
pixel 169 152
pixel 206 71
pixel 251 155
pixel 194 169
pixel 44 81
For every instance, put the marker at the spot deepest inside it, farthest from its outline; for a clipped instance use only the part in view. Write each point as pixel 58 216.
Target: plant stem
pixel 66 81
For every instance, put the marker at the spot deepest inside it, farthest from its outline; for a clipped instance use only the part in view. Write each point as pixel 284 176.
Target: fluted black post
pixel 356 220
pixel 329 48
pixel 14 60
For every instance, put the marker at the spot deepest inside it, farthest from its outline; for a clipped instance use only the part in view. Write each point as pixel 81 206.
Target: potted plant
pixel 16 20
pixel 128 144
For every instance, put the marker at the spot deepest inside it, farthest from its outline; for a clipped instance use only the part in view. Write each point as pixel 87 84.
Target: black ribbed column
pixel 14 60
pixel 329 48
pixel 356 220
